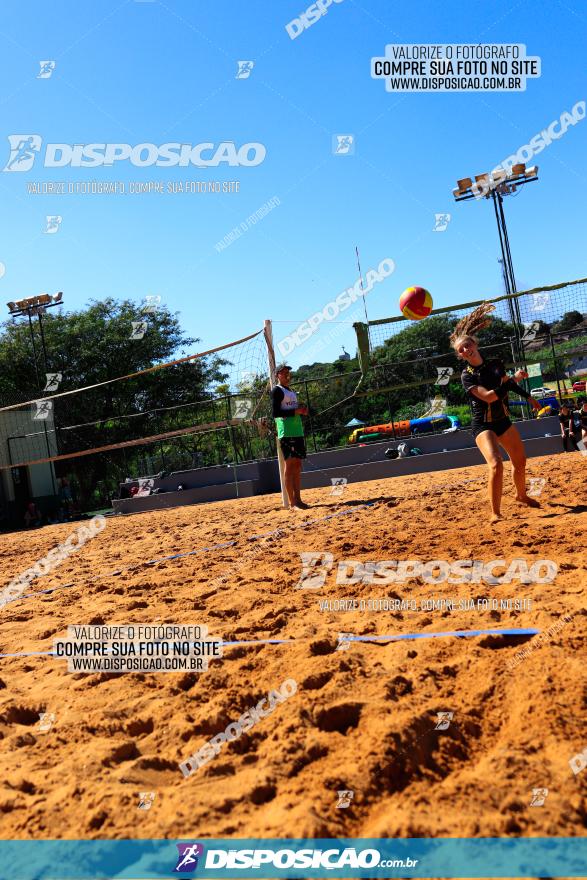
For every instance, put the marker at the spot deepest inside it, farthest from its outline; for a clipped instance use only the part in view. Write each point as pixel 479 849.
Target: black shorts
pixel 499 427
pixel 294 447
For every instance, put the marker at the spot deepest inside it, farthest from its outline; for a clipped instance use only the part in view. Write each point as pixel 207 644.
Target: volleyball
pixel 415 303
pixel 545 411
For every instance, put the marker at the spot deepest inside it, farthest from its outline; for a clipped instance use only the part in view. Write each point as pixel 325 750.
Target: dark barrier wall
pixel 354 463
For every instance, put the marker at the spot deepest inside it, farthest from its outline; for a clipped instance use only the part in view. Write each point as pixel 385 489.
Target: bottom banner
pixel 295 858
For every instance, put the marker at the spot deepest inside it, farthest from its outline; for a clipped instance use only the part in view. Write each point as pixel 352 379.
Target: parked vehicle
pixel 541 392
pixel 580 386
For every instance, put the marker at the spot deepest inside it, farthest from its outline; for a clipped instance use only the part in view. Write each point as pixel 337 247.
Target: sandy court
pixel 363 719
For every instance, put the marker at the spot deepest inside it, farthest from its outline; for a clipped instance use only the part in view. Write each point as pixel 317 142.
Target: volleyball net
pixel 213 408
pixel 545 327
pixel 204 409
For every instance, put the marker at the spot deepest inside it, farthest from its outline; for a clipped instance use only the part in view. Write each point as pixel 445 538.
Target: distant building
pixel 22 439
pixel 345 356
pixel 578 365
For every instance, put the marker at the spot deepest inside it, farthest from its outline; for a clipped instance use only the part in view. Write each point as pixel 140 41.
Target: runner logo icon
pixel 187 860
pixel 23 151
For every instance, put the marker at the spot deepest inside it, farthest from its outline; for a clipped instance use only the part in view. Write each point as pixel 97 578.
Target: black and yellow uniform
pixel 494 416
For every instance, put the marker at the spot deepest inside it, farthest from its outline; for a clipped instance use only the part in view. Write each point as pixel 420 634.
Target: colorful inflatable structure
pixel 406 428
pixel 552 402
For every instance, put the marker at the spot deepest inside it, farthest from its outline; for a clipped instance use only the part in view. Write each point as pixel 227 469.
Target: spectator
pixel 567 428
pixel 583 417
pixel 32 516
pixel 58 516
pixel 65 496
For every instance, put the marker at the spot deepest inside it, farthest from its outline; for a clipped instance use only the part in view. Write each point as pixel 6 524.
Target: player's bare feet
pixel 496 517
pixel 302 504
pixel 529 502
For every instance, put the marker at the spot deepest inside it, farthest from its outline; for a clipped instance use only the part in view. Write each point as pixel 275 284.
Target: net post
pixel 363 345
pixel 268 333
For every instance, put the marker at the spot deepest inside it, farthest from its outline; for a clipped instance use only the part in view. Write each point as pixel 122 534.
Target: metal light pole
pixel 28 314
pixel 495 186
pixel 35 305
pixel 43 346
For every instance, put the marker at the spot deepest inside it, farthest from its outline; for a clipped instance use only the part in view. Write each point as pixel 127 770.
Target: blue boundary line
pixel 465 633
pixel 116 572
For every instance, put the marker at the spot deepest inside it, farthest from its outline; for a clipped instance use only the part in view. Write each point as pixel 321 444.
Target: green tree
pixel 568 321
pixel 410 358
pixel 94 345
pixel 541 328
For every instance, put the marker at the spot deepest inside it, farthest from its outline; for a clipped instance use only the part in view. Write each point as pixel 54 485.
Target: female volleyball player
pixel 487 385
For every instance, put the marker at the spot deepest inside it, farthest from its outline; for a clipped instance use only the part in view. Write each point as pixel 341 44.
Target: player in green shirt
pixel 290 433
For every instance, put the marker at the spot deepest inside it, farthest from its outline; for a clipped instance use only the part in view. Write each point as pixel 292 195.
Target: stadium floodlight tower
pixel 496 185
pixel 36 305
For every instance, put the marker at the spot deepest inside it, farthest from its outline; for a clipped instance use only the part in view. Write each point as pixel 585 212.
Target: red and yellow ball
pixel 415 303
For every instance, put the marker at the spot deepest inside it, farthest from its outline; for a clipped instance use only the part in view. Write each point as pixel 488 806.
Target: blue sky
pixel 155 72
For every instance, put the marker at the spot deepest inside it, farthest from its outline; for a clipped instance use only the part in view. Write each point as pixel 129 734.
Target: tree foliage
pixel 567 322
pixel 92 346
